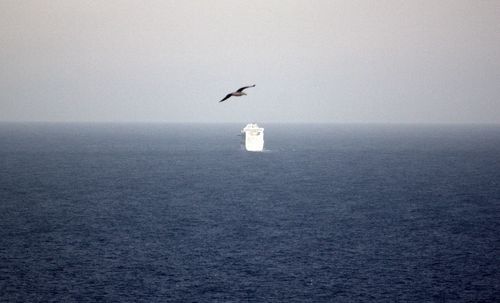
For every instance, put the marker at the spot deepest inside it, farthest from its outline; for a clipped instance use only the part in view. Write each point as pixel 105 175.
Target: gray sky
pixel 312 61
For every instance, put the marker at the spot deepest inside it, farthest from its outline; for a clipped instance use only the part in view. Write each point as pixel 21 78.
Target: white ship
pixel 253 137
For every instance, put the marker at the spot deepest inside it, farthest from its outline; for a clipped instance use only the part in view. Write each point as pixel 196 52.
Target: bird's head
pixel 243 94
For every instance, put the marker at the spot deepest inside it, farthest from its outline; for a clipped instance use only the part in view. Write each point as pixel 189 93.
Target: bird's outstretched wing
pixel 244 87
pixel 226 97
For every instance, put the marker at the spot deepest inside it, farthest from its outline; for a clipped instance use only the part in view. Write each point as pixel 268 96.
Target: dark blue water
pixel 164 213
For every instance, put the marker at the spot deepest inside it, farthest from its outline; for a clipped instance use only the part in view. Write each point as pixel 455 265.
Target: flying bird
pixel 237 93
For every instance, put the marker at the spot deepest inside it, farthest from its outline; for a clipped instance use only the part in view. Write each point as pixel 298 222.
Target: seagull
pixel 237 93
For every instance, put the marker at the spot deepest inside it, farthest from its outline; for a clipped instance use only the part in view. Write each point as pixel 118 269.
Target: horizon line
pixel 241 122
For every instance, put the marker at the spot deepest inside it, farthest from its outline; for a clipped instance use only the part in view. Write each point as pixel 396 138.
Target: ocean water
pixel 179 213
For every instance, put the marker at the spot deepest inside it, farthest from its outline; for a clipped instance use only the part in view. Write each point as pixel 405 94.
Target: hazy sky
pixel 312 61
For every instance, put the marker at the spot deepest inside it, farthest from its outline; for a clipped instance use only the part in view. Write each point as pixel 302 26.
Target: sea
pixel 143 212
